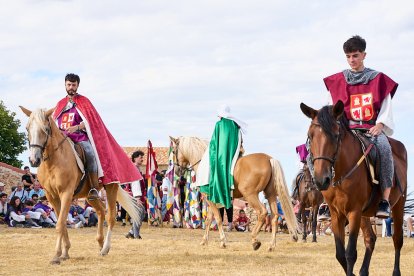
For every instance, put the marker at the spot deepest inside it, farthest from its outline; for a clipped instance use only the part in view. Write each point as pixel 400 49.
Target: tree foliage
pixel 12 142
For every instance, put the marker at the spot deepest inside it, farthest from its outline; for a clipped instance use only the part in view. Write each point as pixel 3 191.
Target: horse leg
pixel 314 221
pixel 219 221
pixel 273 208
pixel 111 195
pixel 354 219
pixel 207 225
pixel 369 240
pixel 100 211
pixel 304 223
pixel 62 230
pixel 261 212
pixel 397 236
pixel 338 229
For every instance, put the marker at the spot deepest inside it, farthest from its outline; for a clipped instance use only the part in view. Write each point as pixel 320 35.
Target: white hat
pixel 2 184
pixel 225 112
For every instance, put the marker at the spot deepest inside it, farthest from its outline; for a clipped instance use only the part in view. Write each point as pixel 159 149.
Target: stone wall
pixel 10 176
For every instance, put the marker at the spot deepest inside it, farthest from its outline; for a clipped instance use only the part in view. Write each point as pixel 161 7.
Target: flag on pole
pixel 153 196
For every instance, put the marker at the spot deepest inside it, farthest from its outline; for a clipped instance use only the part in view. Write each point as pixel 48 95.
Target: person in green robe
pixel 223 152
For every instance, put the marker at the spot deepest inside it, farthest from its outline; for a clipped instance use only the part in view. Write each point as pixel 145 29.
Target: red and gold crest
pixel 361 107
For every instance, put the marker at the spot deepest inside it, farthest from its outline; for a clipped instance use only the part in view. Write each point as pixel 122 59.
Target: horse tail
pixel 282 191
pixel 133 206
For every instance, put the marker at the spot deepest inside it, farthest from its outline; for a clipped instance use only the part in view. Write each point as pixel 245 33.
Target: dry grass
pixel 177 252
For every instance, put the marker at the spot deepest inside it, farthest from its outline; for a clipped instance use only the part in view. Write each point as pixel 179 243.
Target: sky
pixel 155 69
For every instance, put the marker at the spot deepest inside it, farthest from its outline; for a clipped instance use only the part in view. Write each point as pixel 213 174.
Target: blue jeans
pixel 388 222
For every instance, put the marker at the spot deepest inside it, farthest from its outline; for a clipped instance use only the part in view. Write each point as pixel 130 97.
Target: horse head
pixel 38 130
pixel 180 161
pixel 324 139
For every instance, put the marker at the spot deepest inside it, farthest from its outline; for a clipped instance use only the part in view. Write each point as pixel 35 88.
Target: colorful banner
pixel 153 195
pixel 192 208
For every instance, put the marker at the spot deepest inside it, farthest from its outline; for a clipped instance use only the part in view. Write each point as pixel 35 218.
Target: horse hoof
pixel 304 240
pixel 256 245
pixel 64 258
pixel 295 238
pixel 223 246
pixel 271 249
pixel 203 243
pixel 55 261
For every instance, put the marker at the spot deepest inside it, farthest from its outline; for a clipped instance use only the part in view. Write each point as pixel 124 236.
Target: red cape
pixel 116 165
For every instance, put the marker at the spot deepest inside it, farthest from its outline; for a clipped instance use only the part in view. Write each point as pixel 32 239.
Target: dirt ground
pixel 177 252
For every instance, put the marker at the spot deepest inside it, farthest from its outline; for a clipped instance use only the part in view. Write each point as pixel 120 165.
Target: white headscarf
pixel 225 112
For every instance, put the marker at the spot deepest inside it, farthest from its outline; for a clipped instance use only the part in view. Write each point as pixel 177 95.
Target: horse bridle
pixel 42 147
pixel 331 160
pixel 177 163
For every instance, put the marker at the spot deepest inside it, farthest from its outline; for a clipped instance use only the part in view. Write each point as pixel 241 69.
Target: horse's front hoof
pixel 256 245
pixel 222 245
pixel 55 261
pixel 295 238
pixel 64 258
pixel 203 242
pixel 270 249
pixel 304 240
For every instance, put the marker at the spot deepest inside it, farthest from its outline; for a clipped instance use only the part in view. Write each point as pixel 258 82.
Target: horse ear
pixel 338 109
pixel 174 140
pixel 49 112
pixel 25 111
pixel 308 111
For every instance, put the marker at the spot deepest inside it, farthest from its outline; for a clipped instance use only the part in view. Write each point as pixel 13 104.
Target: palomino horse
pixel 347 187
pixel 309 197
pixel 253 173
pixel 59 174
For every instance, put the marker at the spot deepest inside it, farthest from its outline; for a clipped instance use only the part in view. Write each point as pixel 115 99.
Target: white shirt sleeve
pixel 17 217
pixel 385 116
pixel 136 188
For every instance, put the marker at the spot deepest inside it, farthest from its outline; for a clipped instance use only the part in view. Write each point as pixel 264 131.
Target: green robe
pixel 223 147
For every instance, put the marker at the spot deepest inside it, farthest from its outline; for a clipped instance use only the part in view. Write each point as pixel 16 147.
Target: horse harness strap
pixel 361 159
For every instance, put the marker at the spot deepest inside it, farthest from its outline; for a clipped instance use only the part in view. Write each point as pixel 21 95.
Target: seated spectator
pixel 3 207
pixel 28 209
pixel 48 218
pixel 75 216
pixel 35 198
pixel 19 192
pixel 28 179
pixel 37 189
pixel 242 222
pixel 90 215
pixel 15 216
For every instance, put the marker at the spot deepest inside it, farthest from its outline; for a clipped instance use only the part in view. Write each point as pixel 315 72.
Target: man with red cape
pixel 106 162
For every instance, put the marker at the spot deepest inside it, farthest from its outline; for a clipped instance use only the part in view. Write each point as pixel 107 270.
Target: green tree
pixel 12 142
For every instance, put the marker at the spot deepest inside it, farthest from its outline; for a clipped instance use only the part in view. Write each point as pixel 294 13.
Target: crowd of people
pixel 28 207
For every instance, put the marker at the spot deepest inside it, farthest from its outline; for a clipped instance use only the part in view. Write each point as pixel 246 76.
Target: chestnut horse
pixel 60 175
pixel 347 187
pixel 253 173
pixel 309 197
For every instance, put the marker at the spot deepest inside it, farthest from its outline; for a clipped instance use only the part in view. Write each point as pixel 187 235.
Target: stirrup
pixel 93 194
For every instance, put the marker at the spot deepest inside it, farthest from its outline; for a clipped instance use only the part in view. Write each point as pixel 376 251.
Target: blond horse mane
pixel 192 148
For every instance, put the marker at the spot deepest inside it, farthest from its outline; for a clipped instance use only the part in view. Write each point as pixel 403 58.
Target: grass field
pixel 177 252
